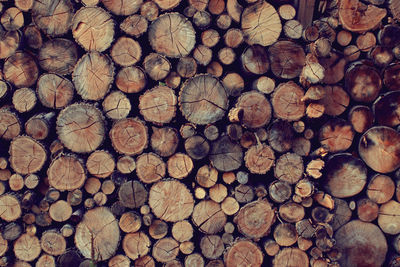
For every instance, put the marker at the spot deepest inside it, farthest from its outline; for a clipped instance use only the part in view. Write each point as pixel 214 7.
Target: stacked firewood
pixel 199 133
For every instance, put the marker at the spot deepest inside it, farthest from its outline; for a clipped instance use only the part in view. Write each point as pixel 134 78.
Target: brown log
pixel 182 231
pixel 150 168
pixel 224 21
pixel 280 136
pixel 243 253
pixel 170 209
pixel 116 105
pixel 24 100
pixel 156 66
pixel 335 100
pixel 379 150
pixel 136 245
pixel 259 159
pixel 38 126
pixel 123 8
pixel 210 37
pixel 131 79
pixel 225 155
pixel 334 66
pixel 367 210
pixel 386 109
pixel 381 56
pixel 58 56
pixel 9 43
pixel 165 250
pixel 215 68
pixel 126 51
pixel 26 155
pixel 119 261
pixel 134 25
pixel 287 12
pixel 264 84
pixel 346 175
pixel 132 194
pixel 336 135
pixel 358 236
pixel 256 109
pixel 380 188
pixel 179 165
pixel 93 28
pixel 202 54
pixel 145 261
pixel 286 101
pixel 21 70
pixel 291 212
pixel 287 59
pixel 53 243
pixel 100 164
pixel 54 91
pixel 66 173
pixel 33 36
pixel 130 222
pixel 344 38
pixel 280 191
pixel 10 126
pixel 361 118
pixel 196 147
pixel 158 105
pixel 202 19
pixel 10 208
pixel 46 260
pixel 291 256
pixel 149 10
pixel 255 60
pixel 60 211
pixel 209 217
pixel 285 234
pixel 388 219
pixel 212 246
pixel 27 247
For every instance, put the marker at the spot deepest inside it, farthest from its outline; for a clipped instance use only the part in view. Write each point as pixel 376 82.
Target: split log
pixel 100 164
pixel 10 208
pixel 97 235
pixel 388 219
pixel 54 91
pixel 225 155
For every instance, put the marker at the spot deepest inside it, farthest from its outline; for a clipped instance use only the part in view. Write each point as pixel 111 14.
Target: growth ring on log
pixel 172 35
pixel 261 24
pixel 244 253
pixel 226 156
pixel 203 99
pixel 80 127
pixel 256 109
pixel 26 155
pixel 287 103
pixel 171 201
pixel 66 173
pixel 98 234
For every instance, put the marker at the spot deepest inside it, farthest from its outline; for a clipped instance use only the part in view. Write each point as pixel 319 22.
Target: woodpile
pixel 199 133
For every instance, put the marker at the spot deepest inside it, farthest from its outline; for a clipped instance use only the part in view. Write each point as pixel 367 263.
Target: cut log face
pixel 387 109
pixel 225 155
pixel 21 70
pixel 244 253
pixel 93 75
pixel 97 235
pixel 256 109
pixel 10 126
pixel 286 101
pixel 181 40
pixel 80 127
pixel 346 175
pixel 54 91
pixel 136 245
pixel 291 257
pixel 131 80
pixel 265 31
pixel 93 28
pixel 122 8
pixel 289 168
pixel 336 135
pixel 259 159
pixel 287 59
pixel 66 173
pixel 10 208
pixel 164 141
pixel 9 43
pixel 209 217
pixel 203 99
pixel 171 201
pixel 132 194
pixel 357 239
pixel 27 248
pixel 26 155
pixel 255 59
pixel 150 168
pixel 379 148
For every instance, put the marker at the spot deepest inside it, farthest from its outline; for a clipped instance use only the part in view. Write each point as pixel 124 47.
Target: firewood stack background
pixel 200 133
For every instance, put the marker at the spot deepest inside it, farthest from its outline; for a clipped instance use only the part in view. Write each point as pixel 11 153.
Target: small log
pixel 93 28
pixel 158 105
pixel 97 235
pixel 149 10
pixel 380 188
pixel 381 56
pixel 9 43
pixel 108 187
pixel 21 70
pixel 164 141
pixel 202 54
pixel 66 173
pixel 224 21
pixel 126 51
pixel 363 82
pixel 388 219
pixel 129 136
pixel 173 80
pixel 256 109
pixel 287 12
pixel 170 209
pixel 259 159
pixel 243 253
pixel 365 42
pixel 358 236
pixel 244 193
pixel 379 150
pixel 10 126
pixel 226 56
pixel 358 17
pixel 361 118
pixel 215 68
pixel 119 261
pixel 165 250
pixel 27 247
pixel 53 243
pixel 134 25
pixel 211 246
pixel 100 164
pixel 46 260
pixel 38 126
pixel 209 217
pixel 33 36
pixel 279 191
pixel 280 136
pixel 145 261
pixel 122 8
pixel 346 175
pixel 92 185
pixel 187 67
pixel 335 101
pixel 210 37
pixel 53 18
pixel 10 208
pixel 179 43
pixel 291 212
pixel 289 168
pixel 291 256
pixel 218 193
pixel 54 91
pixel 60 211
pixel 336 135
pixel 130 222
pixel 344 38
pixel 197 147
pixel 58 55
pixel 24 100
pixel 93 75
pixel 179 165
pixel 202 19
pixel 286 101
pixel 293 29
pixel 136 245
pixel 26 155
pixel 131 80
pixel 287 59
pixel 264 32
pixel 285 234
pixel 225 155
pixel 203 106
pixel 150 168
pixel 314 168
pixel 126 164
pixel 132 194
pixel 182 231
pixel 255 60
pixel 233 38
pixel 264 84
pixel 211 132
pixel 156 66
pixel 116 105
pixel 386 109
pixel 367 210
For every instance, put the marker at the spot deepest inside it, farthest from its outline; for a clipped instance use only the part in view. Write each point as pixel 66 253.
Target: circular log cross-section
pixel 172 35
pixel 10 208
pixel 287 59
pixel 122 7
pixel 287 103
pixel 66 173
pixel 93 28
pixel 130 80
pixel 164 141
pixel 53 17
pixel 100 164
pixel 357 239
pixel 244 253
pixel 346 175
pixel 129 136
pixel 93 75
pixel 226 156
pixel 150 168
pixel 203 99
pixel 27 247
pixel 209 217
pixel 171 201
pixel 379 147
pixel 259 159
pixel 80 127
pixel 255 219
pixel 336 135
pixel 26 155
pixel 54 91
pixel 126 51
pixel 21 70
pixel 10 126
pixel 387 109
pixel 256 109
pixel 132 194
pixel 261 24
pixel 58 55
pixel 158 105
pixel 289 168
pixel 291 257
pixel 97 235
pixel 165 250
pixel 255 60
pixel 136 245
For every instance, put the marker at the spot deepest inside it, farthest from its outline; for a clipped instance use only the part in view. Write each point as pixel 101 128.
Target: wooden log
pixel 116 105
pixel 361 118
pixel 54 91
pixel 380 188
pixel 167 208
pixel 259 158
pixel 24 100
pixel 287 59
pixel 203 106
pixel 134 25
pixel 33 36
pixel 335 101
pixel 285 234
pixel 209 217
pixel 93 28
pixel 150 168
pixel 264 32
pixel 97 225
pixel 292 256
pixel 224 21
pixel 388 217
pixel 156 66
pixel 336 135
pixel 131 79
pixel 53 18
pixel 20 69
pixel 179 165
pixel 38 126
pixel 289 168
pixel 367 210
pixel 93 75
pixel 130 222
pixel 280 136
pixel 26 155
pixel 243 253
pixel 179 43
pixel 100 164
pixel 126 51
pixel 212 246
pixel 149 10
pixel 358 236
pixel 256 109
pixel 196 147
pixel 210 37
pixel 27 247
pixel 58 55
pixel 60 211
pixel 10 126
pixel 381 56
pixel 280 191
pixel 119 261
pixel 122 8
pixel 9 43
pixel 132 194
pixel 255 60
pixel 10 208
pixel 385 109
pixel 380 141
pixel 46 260
pixel 225 155
pixel 66 173
pixel 136 245
pixel 286 101
pixel 291 212
pixel 53 243
pixel 346 175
